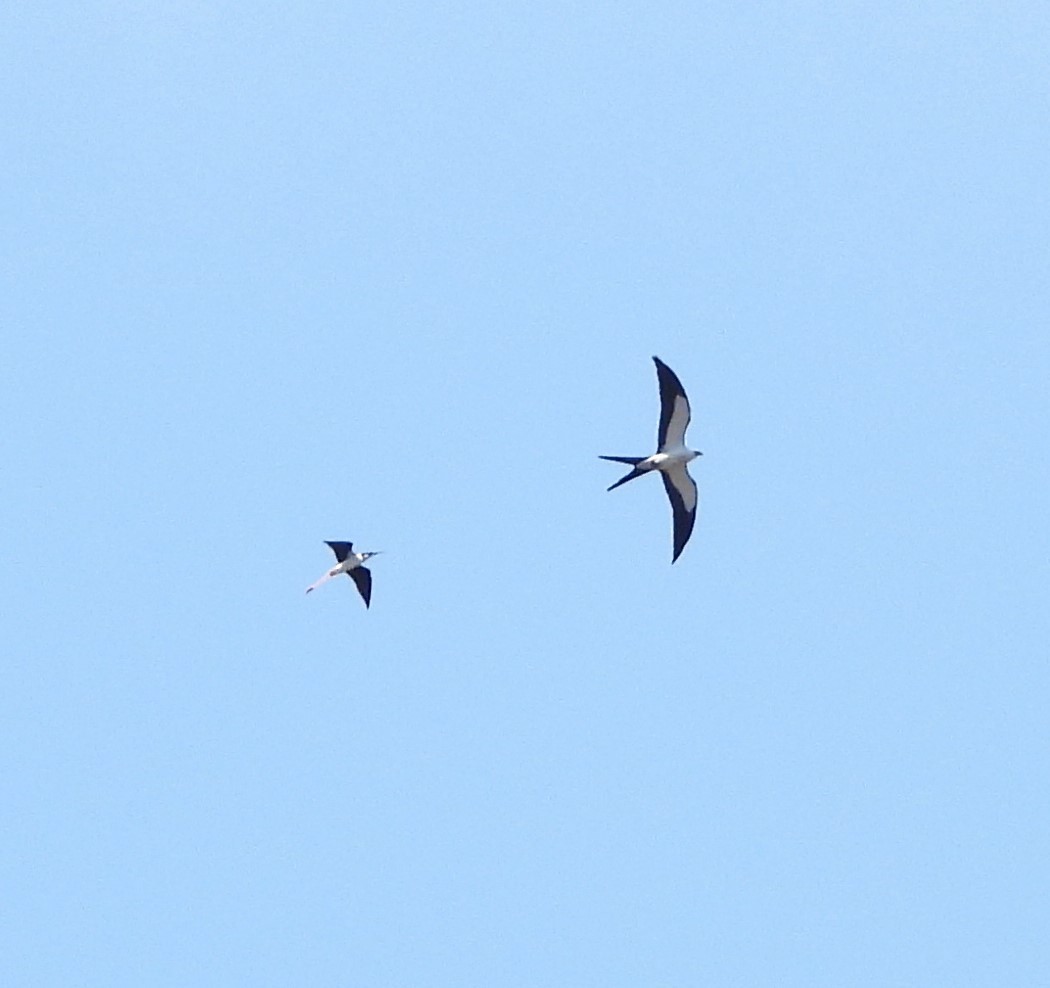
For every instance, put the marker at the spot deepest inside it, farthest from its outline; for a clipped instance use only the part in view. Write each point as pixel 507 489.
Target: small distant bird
pixel 671 457
pixel 352 564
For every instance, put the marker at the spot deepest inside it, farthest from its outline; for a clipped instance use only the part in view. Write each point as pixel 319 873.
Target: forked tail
pixel 631 461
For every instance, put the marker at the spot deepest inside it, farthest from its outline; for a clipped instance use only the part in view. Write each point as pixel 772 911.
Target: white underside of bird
pixel 351 562
pixel 672 462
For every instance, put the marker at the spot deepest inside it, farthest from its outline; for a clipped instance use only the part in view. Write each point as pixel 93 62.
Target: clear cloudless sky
pixel 275 273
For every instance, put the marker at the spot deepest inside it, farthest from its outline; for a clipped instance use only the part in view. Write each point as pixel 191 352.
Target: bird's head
pixel 369 555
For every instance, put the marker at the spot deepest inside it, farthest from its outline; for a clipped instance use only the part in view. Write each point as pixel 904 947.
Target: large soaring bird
pixel 671 457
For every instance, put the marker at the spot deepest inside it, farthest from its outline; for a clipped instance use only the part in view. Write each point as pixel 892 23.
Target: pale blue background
pixel 276 273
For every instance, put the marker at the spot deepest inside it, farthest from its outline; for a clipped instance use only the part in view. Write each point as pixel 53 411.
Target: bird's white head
pixel 369 555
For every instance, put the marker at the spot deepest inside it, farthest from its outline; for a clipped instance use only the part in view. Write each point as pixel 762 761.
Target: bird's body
pixel 671 458
pixel 352 564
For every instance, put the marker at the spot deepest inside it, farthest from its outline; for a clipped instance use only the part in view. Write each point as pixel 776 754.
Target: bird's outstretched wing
pixel 681 492
pixel 363 579
pixel 674 407
pixel 321 582
pixel 341 549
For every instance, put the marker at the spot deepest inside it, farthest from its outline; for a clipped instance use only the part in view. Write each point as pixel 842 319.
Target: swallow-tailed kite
pixel 352 564
pixel 671 457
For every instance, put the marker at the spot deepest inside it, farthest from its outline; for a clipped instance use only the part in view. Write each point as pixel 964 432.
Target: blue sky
pixel 275 274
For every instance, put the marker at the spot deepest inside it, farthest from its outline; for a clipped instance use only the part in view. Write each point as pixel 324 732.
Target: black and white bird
pixel 671 457
pixel 352 564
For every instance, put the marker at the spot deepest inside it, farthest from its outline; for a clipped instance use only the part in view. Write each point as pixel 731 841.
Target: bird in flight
pixel 671 457
pixel 352 564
